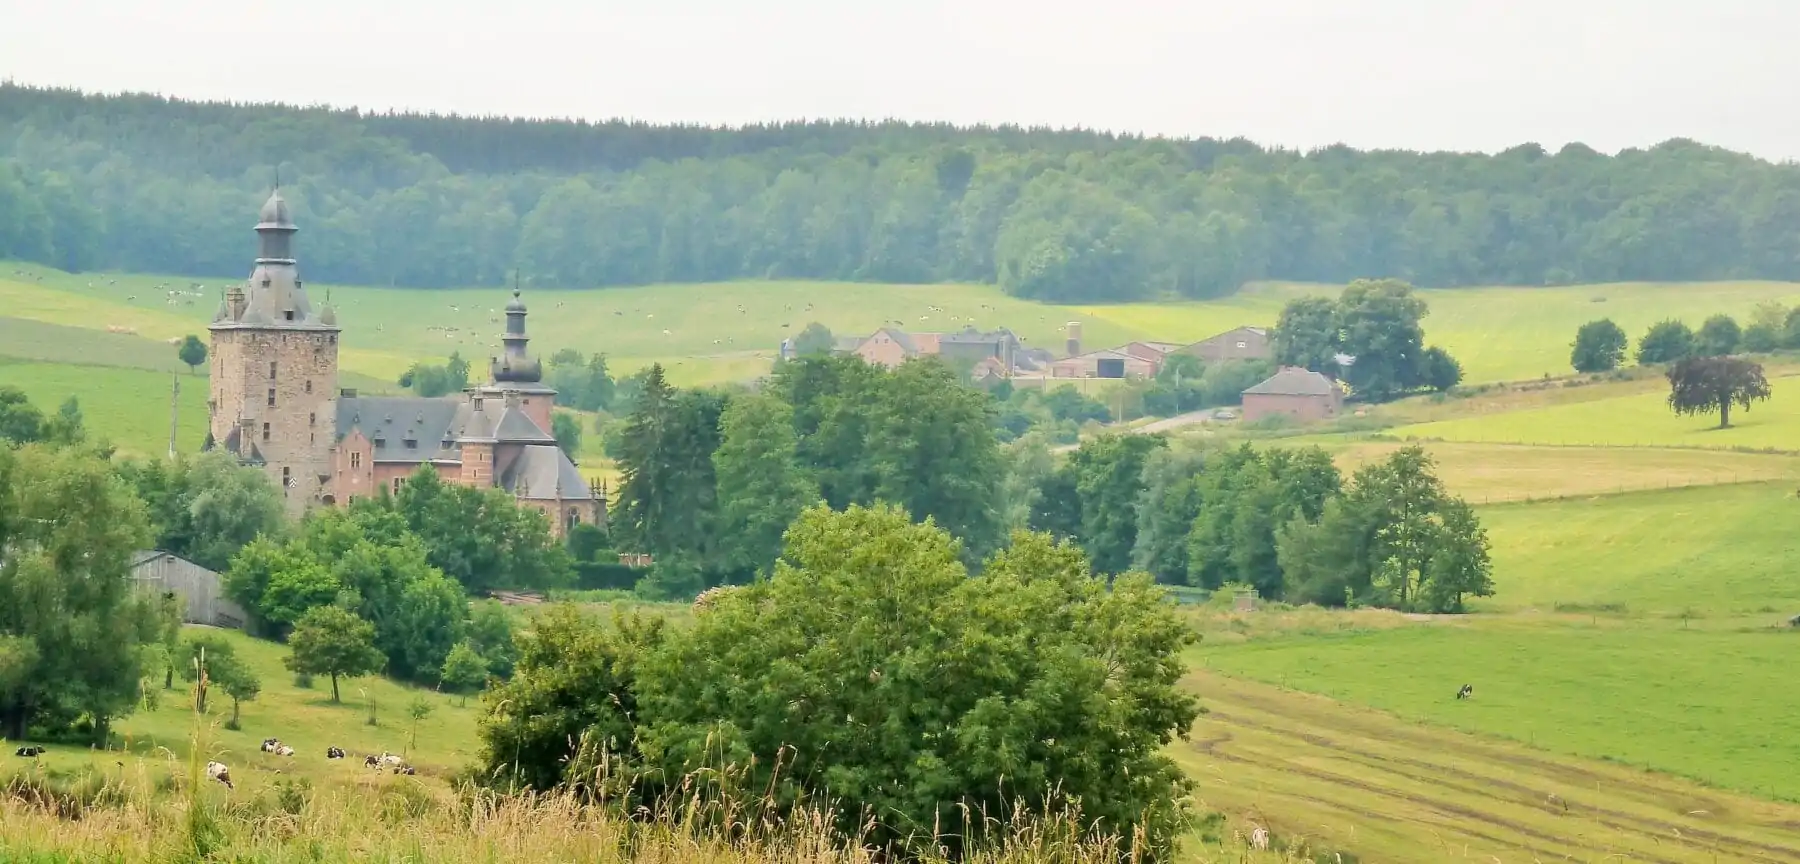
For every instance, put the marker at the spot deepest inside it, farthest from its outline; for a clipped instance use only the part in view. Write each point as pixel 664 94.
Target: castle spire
pixel 514 365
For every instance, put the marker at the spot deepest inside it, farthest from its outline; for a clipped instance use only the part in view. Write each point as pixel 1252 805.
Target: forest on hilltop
pixel 150 184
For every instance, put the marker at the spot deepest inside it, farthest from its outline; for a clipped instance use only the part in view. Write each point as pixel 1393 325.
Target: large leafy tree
pixel 667 495
pixel 871 668
pixel 1719 335
pixel 1665 342
pixel 1599 346
pixel 1308 335
pixel 1379 320
pixel 73 632
pixel 1703 385
pixel 1394 538
pixel 331 641
pixel 1109 479
pixel 206 507
pixel 479 537
pixel 1167 507
pixel 761 484
pixel 930 451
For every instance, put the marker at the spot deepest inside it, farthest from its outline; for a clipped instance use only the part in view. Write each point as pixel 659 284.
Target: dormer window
pixel 289 314
pixel 411 443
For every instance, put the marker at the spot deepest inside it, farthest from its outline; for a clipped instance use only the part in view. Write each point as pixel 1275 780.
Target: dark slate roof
pixel 494 421
pixel 143 555
pixel 394 420
pixel 544 473
pixel 1294 381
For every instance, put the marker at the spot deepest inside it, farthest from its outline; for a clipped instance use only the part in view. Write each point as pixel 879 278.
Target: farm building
pixel 200 590
pixel 1238 343
pixel 1105 363
pixel 1294 392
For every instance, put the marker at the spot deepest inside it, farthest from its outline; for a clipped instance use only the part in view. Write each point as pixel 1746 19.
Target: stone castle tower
pixel 274 368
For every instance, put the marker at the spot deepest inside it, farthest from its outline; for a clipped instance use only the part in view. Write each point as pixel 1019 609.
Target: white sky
pixel 1417 74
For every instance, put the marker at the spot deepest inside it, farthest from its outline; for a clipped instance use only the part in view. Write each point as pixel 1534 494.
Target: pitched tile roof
pixel 1295 381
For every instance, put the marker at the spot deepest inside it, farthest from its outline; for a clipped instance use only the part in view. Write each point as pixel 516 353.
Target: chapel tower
pixel 274 368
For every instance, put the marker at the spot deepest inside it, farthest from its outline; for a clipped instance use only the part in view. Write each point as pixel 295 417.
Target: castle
pixel 275 404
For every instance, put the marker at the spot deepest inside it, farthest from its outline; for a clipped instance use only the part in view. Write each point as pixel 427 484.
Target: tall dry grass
pixel 139 817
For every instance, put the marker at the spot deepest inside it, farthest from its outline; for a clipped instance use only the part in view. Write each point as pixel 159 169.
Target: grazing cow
pixel 29 752
pixel 284 750
pixel 270 745
pixel 1260 837
pixel 407 770
pixel 392 761
pixel 1467 692
pixel 371 761
pixel 334 752
pixel 218 771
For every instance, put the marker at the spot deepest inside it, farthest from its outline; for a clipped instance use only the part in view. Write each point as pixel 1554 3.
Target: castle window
pixel 397 482
pixel 271 370
pixel 265 431
pixel 334 338
pixel 271 397
pixel 287 479
pixel 355 459
pixel 309 385
pixel 312 419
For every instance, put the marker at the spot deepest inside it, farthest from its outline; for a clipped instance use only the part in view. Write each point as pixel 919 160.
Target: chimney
pixel 1073 345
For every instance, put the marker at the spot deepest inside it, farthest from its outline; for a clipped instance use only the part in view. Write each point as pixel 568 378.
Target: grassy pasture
pixel 1710 704
pixel 1494 473
pixel 1634 420
pixel 1388 789
pixel 729 331
pixel 129 407
pixel 1719 550
pixel 302 718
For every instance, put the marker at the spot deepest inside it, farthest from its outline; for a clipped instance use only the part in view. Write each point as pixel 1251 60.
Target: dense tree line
pixel 1283 521
pixel 150 184
pixel 712 478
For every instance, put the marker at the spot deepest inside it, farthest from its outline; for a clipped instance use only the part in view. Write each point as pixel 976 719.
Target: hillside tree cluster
pixel 143 183
pixel 1285 522
pixel 1370 338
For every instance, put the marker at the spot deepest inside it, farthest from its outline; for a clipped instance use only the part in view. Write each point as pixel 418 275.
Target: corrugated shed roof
pixel 1294 381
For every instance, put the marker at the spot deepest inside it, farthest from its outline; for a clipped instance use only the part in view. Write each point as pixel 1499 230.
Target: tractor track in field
pixel 1480 786
pixel 1464 817
pixel 1694 838
pixel 1471 744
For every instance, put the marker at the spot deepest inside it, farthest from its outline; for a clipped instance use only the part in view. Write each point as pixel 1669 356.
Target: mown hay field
pixel 1385 787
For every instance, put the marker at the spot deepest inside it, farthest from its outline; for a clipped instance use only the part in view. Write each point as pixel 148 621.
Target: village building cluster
pixel 1000 354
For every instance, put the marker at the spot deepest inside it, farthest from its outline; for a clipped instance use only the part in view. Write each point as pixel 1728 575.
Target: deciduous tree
pixel 1599 346
pixel 330 641
pixel 1702 385
pixel 761 484
pixel 192 352
pixel 1665 342
pixel 1718 337
pixel 464 671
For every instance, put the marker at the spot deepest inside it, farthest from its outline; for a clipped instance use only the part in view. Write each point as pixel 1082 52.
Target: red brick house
pixel 1299 393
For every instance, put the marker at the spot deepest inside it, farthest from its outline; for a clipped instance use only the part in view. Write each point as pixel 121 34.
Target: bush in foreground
pixel 873 675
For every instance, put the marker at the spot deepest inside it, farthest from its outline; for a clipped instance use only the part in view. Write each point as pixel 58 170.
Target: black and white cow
pixel 30 752
pixel 334 752
pixel 1467 692
pixel 218 771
